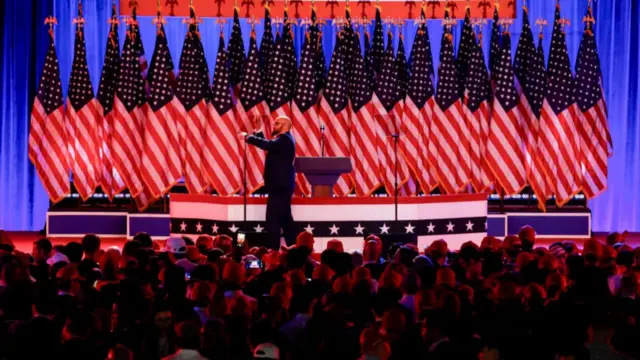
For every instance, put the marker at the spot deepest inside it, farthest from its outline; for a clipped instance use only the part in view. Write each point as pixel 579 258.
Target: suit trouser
pixel 279 218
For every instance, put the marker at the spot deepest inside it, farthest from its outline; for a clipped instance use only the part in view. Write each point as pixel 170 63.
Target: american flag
pixel 321 64
pixel 266 46
pixel 494 50
pixel 221 153
pixel 349 38
pixel 465 50
pixel 47 135
pixel 193 92
pixel 477 112
pixel 410 186
pixel 253 107
pixel 388 113
pixel 281 74
pixel 364 156
pixel 596 139
pixel 377 44
pixel 506 145
pixel 161 166
pixel 418 111
pixel 306 128
pixel 559 140
pixel 236 53
pixel 529 69
pixel 111 181
pixel 129 103
pixel 82 120
pixel 452 157
pixel 368 60
pixel 402 67
pixel 334 112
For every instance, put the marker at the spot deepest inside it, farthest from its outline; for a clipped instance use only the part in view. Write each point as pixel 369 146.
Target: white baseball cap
pixel 266 351
pixel 58 257
pixel 176 245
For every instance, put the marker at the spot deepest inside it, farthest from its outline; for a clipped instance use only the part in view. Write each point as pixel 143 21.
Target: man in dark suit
pixel 279 179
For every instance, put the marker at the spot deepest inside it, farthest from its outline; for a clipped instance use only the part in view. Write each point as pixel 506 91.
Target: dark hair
pixel 188 241
pixel 204 272
pixel 7 247
pixel 74 251
pixel 43 244
pixel 625 258
pixel 130 248
pixel 214 254
pixel 144 239
pixel 297 257
pixel 406 255
pixel 469 253
pixel 91 243
pixel 188 335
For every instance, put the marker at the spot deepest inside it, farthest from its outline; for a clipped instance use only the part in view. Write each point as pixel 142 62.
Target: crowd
pixel 213 299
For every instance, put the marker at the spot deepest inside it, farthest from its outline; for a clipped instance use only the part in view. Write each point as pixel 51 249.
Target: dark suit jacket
pixel 279 175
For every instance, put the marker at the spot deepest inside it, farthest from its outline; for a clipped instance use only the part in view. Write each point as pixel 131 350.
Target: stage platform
pixel 456 218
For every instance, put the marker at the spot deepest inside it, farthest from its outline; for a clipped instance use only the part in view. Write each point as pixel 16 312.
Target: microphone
pixel 395 136
pixel 243 134
pixel 322 127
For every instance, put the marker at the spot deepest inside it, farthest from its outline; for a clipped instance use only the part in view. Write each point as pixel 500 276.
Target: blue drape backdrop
pixel 23 43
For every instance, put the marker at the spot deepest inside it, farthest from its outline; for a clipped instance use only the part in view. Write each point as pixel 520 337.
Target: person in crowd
pixel 188 336
pixel 41 252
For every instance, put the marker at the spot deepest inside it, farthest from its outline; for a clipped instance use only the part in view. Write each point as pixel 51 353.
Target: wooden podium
pixel 322 172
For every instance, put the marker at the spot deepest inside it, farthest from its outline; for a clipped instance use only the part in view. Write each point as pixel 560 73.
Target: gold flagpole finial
pixel 51 20
pixel 563 23
pixel 221 21
pixel 541 23
pixel 506 24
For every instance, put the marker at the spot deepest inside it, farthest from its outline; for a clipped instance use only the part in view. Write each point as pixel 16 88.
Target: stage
pixel 455 218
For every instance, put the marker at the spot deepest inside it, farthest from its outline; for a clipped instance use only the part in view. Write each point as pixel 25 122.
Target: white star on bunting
pixel 334 229
pixel 384 229
pixel 199 227
pixel 469 225
pixel 233 228
pixel 183 227
pixel 409 228
pixel 214 228
pixel 431 227
pixel 258 228
pixel 309 229
pixel 450 227
pixel 359 229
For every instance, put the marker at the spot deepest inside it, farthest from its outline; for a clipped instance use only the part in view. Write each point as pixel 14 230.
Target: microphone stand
pixel 244 182
pixel 322 140
pixel 395 172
